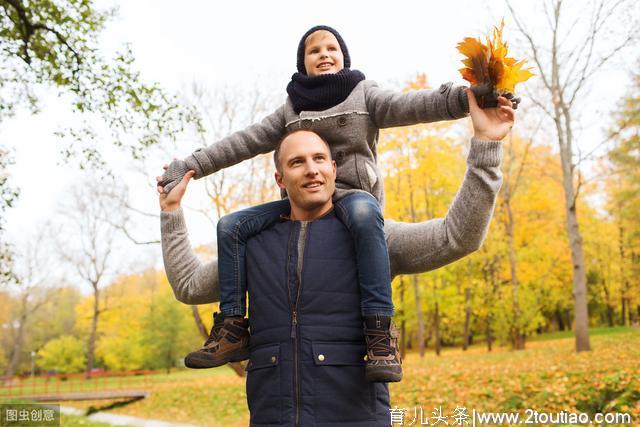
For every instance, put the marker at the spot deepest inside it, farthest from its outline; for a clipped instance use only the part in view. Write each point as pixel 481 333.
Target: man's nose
pixel 311 168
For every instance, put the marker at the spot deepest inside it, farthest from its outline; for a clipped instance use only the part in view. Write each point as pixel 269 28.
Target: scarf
pixel 318 93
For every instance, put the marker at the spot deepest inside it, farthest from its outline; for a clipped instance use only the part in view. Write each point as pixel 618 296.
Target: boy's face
pixel 322 54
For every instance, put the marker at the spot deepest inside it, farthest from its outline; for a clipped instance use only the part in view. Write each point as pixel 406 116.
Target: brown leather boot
pixel 383 356
pixel 227 342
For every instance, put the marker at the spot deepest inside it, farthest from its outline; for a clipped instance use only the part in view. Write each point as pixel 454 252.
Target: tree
pixel 575 52
pixel 64 355
pixel 90 243
pixel 165 336
pixel 511 182
pixel 54 43
pixel 8 196
pixel 623 190
pixel 30 295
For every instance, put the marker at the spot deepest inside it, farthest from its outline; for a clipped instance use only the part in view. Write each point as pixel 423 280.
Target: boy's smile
pixel 322 54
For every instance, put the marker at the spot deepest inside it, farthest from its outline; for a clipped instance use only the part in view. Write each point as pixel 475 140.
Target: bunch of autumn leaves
pixel 489 66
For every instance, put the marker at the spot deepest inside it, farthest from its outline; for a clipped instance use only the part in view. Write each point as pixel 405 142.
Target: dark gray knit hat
pixel 343 47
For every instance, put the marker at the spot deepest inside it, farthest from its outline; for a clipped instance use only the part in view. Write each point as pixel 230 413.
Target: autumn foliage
pixel 489 63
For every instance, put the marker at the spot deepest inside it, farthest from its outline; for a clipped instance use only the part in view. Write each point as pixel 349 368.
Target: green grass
pixel 593 332
pixel 75 420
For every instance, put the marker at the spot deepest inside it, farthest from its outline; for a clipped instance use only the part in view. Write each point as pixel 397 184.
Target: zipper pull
pixel 294 322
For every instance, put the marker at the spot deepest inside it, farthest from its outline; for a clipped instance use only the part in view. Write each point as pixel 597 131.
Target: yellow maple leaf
pixel 489 64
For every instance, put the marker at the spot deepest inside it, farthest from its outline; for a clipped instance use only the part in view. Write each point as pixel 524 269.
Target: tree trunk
pixel 489 273
pixel 436 328
pixel 580 297
pixel 624 283
pixel 467 318
pixel 559 320
pixel 416 290
pixel 199 323
pixel 517 337
pixel 94 331
pixel 17 347
pixel 607 298
pixel 403 323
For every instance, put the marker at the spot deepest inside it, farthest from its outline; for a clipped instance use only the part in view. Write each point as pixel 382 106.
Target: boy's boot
pixel 383 357
pixel 227 342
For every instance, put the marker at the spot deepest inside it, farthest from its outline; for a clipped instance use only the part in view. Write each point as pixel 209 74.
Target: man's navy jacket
pixel 307 342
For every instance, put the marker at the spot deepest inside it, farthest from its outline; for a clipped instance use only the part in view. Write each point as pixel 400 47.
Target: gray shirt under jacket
pixel 413 247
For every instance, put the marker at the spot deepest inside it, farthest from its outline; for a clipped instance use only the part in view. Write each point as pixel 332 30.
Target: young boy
pixel 346 110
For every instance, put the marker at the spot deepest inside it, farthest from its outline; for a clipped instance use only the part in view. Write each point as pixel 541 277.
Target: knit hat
pixel 343 47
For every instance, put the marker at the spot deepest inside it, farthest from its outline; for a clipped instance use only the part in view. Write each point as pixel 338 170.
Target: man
pixel 306 366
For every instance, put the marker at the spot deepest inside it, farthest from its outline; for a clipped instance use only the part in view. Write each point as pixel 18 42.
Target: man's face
pixel 322 54
pixel 307 173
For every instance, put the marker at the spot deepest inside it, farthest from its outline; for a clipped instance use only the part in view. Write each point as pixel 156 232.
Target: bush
pixel 64 355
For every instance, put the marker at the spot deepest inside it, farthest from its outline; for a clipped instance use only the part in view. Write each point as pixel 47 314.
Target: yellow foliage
pixel 489 64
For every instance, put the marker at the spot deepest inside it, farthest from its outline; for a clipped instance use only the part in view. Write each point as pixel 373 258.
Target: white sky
pixel 244 43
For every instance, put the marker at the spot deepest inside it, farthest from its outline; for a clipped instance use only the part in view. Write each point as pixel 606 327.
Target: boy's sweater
pixel 413 248
pixel 351 128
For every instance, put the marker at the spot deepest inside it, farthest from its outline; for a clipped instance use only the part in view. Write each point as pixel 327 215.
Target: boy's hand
pixel 173 174
pixel 171 201
pixel 486 97
pixel 491 124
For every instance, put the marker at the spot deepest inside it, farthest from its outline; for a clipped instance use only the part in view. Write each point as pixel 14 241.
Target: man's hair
pixel 276 153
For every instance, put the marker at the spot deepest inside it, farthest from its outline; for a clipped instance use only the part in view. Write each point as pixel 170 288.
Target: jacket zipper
pixel 303 234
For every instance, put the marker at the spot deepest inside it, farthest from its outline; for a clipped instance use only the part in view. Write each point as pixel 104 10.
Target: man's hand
pixel 171 201
pixel 491 124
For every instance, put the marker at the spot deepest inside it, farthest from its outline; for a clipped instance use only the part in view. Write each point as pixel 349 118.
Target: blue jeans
pixel 359 212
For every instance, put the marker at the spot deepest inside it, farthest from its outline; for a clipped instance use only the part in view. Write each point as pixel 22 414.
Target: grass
pixel 593 332
pixel 548 376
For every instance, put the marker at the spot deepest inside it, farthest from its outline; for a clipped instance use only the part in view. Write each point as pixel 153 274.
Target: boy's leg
pixel 229 337
pixel 233 232
pixel 362 215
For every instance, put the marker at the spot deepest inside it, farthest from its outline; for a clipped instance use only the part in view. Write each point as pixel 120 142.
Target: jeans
pixel 359 212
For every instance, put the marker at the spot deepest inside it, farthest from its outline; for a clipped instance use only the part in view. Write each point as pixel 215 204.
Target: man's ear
pixel 335 167
pixel 278 177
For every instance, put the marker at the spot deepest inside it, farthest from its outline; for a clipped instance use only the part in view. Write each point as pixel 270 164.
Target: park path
pixel 123 420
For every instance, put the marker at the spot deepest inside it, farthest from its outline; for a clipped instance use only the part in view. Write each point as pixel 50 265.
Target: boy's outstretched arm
pixel 256 139
pixel 389 108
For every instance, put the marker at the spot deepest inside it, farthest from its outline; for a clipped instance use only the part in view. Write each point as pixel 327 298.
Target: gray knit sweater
pixel 413 248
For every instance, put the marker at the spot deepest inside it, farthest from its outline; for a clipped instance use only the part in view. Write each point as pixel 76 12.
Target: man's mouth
pixel 313 184
pixel 324 65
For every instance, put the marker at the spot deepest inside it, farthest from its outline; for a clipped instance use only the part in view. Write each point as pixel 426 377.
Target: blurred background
pixel 95 96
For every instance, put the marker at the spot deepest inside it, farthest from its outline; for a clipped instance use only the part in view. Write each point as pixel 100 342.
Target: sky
pixel 246 44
